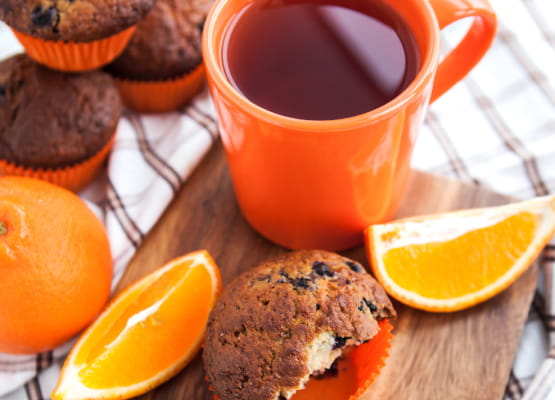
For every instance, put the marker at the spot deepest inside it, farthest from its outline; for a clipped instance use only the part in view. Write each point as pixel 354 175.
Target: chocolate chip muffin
pixel 53 120
pixel 166 44
pixel 73 20
pixel 287 319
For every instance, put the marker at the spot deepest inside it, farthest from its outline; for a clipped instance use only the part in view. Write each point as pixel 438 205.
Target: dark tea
pixel 317 59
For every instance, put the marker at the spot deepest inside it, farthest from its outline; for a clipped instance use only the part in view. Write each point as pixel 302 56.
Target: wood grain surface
pixel 463 355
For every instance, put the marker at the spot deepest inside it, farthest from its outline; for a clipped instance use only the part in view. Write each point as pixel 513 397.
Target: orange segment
pixel 428 268
pixel 450 261
pixel 146 335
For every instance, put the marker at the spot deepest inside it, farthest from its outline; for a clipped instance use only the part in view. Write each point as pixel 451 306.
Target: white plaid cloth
pixel 496 129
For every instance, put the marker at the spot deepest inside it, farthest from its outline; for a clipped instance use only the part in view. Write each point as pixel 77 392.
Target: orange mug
pixel 319 184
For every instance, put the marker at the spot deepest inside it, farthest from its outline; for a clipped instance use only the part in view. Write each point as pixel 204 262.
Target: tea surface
pixel 317 60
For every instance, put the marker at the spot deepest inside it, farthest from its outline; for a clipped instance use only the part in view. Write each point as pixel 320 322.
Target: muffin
pixel 53 125
pixel 288 319
pixel 161 68
pixel 73 35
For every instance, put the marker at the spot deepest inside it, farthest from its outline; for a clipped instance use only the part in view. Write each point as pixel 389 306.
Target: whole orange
pixel 55 265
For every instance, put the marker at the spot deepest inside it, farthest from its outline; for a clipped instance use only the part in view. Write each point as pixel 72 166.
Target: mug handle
pixel 472 47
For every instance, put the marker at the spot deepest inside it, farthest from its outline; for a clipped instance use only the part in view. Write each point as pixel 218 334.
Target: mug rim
pixel 216 74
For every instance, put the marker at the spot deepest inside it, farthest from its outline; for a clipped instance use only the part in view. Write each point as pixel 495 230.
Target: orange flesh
pixel 435 269
pixel 149 331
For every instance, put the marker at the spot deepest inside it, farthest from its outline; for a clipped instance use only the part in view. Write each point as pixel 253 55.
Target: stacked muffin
pixel 55 126
pixel 161 68
pixel 58 112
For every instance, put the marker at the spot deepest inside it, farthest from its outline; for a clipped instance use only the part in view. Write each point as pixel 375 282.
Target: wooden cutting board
pixel 463 355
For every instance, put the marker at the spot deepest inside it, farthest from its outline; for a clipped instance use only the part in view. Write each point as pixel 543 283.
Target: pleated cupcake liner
pixel 75 177
pixel 68 56
pixel 163 95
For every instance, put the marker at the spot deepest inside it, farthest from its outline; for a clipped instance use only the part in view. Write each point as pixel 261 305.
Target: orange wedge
pixel 146 335
pixel 451 261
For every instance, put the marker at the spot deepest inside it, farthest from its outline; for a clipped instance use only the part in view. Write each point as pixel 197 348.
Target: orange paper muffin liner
pixel 369 358
pixel 355 373
pixel 75 56
pixel 75 177
pixel 161 96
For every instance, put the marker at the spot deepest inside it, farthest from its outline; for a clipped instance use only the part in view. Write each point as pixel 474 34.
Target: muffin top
pixel 274 324
pixel 166 44
pixel 50 119
pixel 75 20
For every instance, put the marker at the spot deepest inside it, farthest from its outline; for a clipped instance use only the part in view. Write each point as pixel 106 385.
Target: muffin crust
pixel 50 119
pixel 75 20
pixel 166 44
pixel 263 331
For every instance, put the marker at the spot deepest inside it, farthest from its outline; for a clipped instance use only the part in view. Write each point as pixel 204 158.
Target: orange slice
pixel 146 335
pixel 451 261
